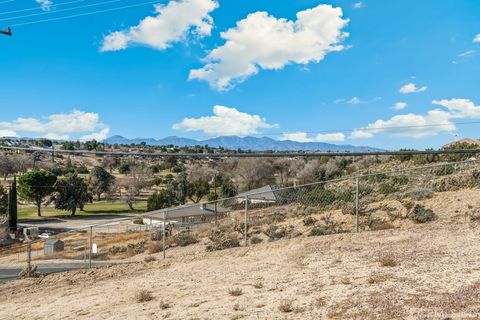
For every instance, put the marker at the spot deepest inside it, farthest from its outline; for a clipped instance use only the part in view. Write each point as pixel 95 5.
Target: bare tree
pixel 254 173
pixel 7 166
pixel 132 185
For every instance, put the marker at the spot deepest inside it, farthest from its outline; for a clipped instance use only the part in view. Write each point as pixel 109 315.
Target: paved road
pixel 11 273
pixel 76 223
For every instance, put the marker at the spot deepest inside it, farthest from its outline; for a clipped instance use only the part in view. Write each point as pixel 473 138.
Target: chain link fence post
pixel 29 258
pixel 163 233
pixel 357 204
pixel 245 222
pixel 90 248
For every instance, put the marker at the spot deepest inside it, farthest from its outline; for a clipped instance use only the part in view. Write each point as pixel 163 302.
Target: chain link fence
pixel 364 202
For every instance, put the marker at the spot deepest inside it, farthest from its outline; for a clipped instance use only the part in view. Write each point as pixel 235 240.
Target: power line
pixel 38 8
pixel 85 14
pixel 61 10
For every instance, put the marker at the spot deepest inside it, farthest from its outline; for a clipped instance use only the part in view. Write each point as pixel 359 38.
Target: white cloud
pixel 261 41
pixel 400 105
pixel 464 56
pixel 321 137
pixel 46 5
pixel 477 38
pixel 99 136
pixel 8 133
pixel 358 5
pixel 355 101
pixel 225 122
pixel 432 123
pixel 173 22
pixel 412 88
pixel 57 126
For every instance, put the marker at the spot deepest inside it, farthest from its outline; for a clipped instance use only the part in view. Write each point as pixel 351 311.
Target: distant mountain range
pixel 244 143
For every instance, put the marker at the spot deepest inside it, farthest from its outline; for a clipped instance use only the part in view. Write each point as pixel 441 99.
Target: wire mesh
pixel 368 202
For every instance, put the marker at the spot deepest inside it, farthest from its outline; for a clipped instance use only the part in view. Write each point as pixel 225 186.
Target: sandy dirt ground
pixel 429 271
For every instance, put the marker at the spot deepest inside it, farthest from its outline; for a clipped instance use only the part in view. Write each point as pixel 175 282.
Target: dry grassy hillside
pixel 416 271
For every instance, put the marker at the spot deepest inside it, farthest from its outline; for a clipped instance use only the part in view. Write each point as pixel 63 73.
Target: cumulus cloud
pixel 400 105
pixel 46 5
pixel 261 41
pixel 432 123
pixel 412 88
pixel 7 133
pixel 321 137
pixel 477 38
pixel 57 126
pixel 173 22
pixel 225 122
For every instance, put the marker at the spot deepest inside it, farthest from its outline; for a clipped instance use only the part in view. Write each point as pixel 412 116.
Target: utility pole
pixel 8 32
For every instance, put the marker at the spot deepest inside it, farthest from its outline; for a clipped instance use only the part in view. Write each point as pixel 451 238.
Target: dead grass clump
pixel 258 285
pixel 164 305
pixel 388 260
pixel 149 259
pixel 378 278
pixel 320 302
pixel 286 306
pixel 235 292
pixel 135 248
pixel 155 247
pixel 346 281
pixel 143 296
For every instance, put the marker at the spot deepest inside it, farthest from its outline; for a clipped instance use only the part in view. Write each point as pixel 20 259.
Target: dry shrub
pixel 185 238
pixel 149 259
pixel 286 306
pixel 256 240
pixel 258 285
pixel 235 292
pixel 346 281
pixel 135 248
pixel 388 260
pixel 155 247
pixel 422 215
pixel 220 239
pixel 309 221
pixel 143 296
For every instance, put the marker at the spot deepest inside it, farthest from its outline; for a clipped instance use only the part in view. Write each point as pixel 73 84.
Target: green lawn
pixel 95 208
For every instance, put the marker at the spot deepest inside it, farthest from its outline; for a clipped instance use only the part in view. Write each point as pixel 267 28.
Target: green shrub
pixel 422 215
pixel 445 170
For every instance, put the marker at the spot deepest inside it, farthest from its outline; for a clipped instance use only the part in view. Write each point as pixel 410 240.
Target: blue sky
pixel 303 70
